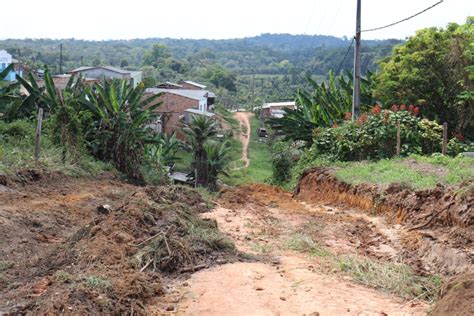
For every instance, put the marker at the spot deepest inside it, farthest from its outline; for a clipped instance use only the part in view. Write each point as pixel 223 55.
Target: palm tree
pixel 217 158
pixel 198 132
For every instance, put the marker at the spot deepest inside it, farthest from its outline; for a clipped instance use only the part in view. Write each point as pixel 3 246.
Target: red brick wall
pixel 174 105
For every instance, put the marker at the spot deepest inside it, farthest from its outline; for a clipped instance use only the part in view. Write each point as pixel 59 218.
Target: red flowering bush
pixel 362 118
pixel 348 116
pixel 377 109
pixel 373 136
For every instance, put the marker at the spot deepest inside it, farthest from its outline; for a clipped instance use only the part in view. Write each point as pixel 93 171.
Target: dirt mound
pixel 440 221
pixel 457 297
pixel 259 194
pixel 116 263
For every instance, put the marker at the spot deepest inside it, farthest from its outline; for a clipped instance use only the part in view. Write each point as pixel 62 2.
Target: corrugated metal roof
pixel 165 84
pixel 110 68
pixel 195 84
pixel 274 104
pixel 192 94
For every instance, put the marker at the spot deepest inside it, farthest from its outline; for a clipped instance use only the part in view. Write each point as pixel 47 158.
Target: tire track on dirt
pixel 244 137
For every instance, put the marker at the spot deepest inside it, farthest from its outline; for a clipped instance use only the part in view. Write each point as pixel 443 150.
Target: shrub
pixel 455 147
pixel 283 158
pixel 16 130
pixel 374 136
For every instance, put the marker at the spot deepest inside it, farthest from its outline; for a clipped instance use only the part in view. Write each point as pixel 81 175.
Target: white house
pixel 107 72
pixel 6 60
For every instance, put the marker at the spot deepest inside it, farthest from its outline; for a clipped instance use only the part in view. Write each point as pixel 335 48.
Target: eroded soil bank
pixel 438 223
pixel 437 228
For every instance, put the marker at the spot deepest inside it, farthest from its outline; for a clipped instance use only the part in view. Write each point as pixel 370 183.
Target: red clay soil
pixel 440 221
pixel 438 227
pixel 84 246
pixel 457 297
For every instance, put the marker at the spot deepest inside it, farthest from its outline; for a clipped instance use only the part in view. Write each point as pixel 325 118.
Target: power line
pixel 345 56
pixel 405 19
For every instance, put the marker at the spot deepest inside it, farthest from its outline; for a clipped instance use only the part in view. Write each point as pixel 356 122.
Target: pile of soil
pixel 115 263
pixel 457 297
pixel 259 194
pixel 439 221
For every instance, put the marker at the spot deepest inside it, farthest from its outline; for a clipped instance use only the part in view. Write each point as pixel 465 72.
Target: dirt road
pixel 294 275
pixel 244 137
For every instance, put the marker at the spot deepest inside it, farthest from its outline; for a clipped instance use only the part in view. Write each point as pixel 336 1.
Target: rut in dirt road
pixel 244 137
pixel 294 275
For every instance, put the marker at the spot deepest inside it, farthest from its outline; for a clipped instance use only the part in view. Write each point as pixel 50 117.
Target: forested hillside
pixel 273 66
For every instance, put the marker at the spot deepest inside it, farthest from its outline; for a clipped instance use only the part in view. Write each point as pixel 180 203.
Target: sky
pixel 120 19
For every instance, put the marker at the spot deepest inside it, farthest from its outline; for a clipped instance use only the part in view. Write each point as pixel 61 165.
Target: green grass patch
pixel 63 276
pixel 391 277
pixel 97 283
pixel 5 265
pixel 415 171
pixel 183 160
pixel 304 243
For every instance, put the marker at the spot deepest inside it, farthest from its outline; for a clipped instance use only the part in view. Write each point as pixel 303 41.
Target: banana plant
pixel 324 105
pixel 119 132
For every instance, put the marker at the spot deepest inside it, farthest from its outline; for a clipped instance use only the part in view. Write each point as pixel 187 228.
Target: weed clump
pixel 391 277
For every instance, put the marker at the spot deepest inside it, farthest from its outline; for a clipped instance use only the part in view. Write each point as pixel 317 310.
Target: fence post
pixel 444 149
pixel 38 136
pixel 398 138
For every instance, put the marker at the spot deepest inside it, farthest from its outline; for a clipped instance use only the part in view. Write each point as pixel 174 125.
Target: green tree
pixel 434 70
pixel 217 158
pixel 124 63
pixel 157 53
pixel 200 130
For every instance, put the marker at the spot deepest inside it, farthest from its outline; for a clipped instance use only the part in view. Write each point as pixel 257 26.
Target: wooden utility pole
pixel 253 87
pixel 356 79
pixel 61 58
pixel 398 139
pixel 38 135
pixel 444 149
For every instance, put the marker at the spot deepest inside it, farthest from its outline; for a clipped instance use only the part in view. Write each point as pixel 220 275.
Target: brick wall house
pixel 175 102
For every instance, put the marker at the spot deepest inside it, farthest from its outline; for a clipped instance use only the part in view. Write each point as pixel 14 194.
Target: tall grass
pixel 17 152
pixel 390 277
